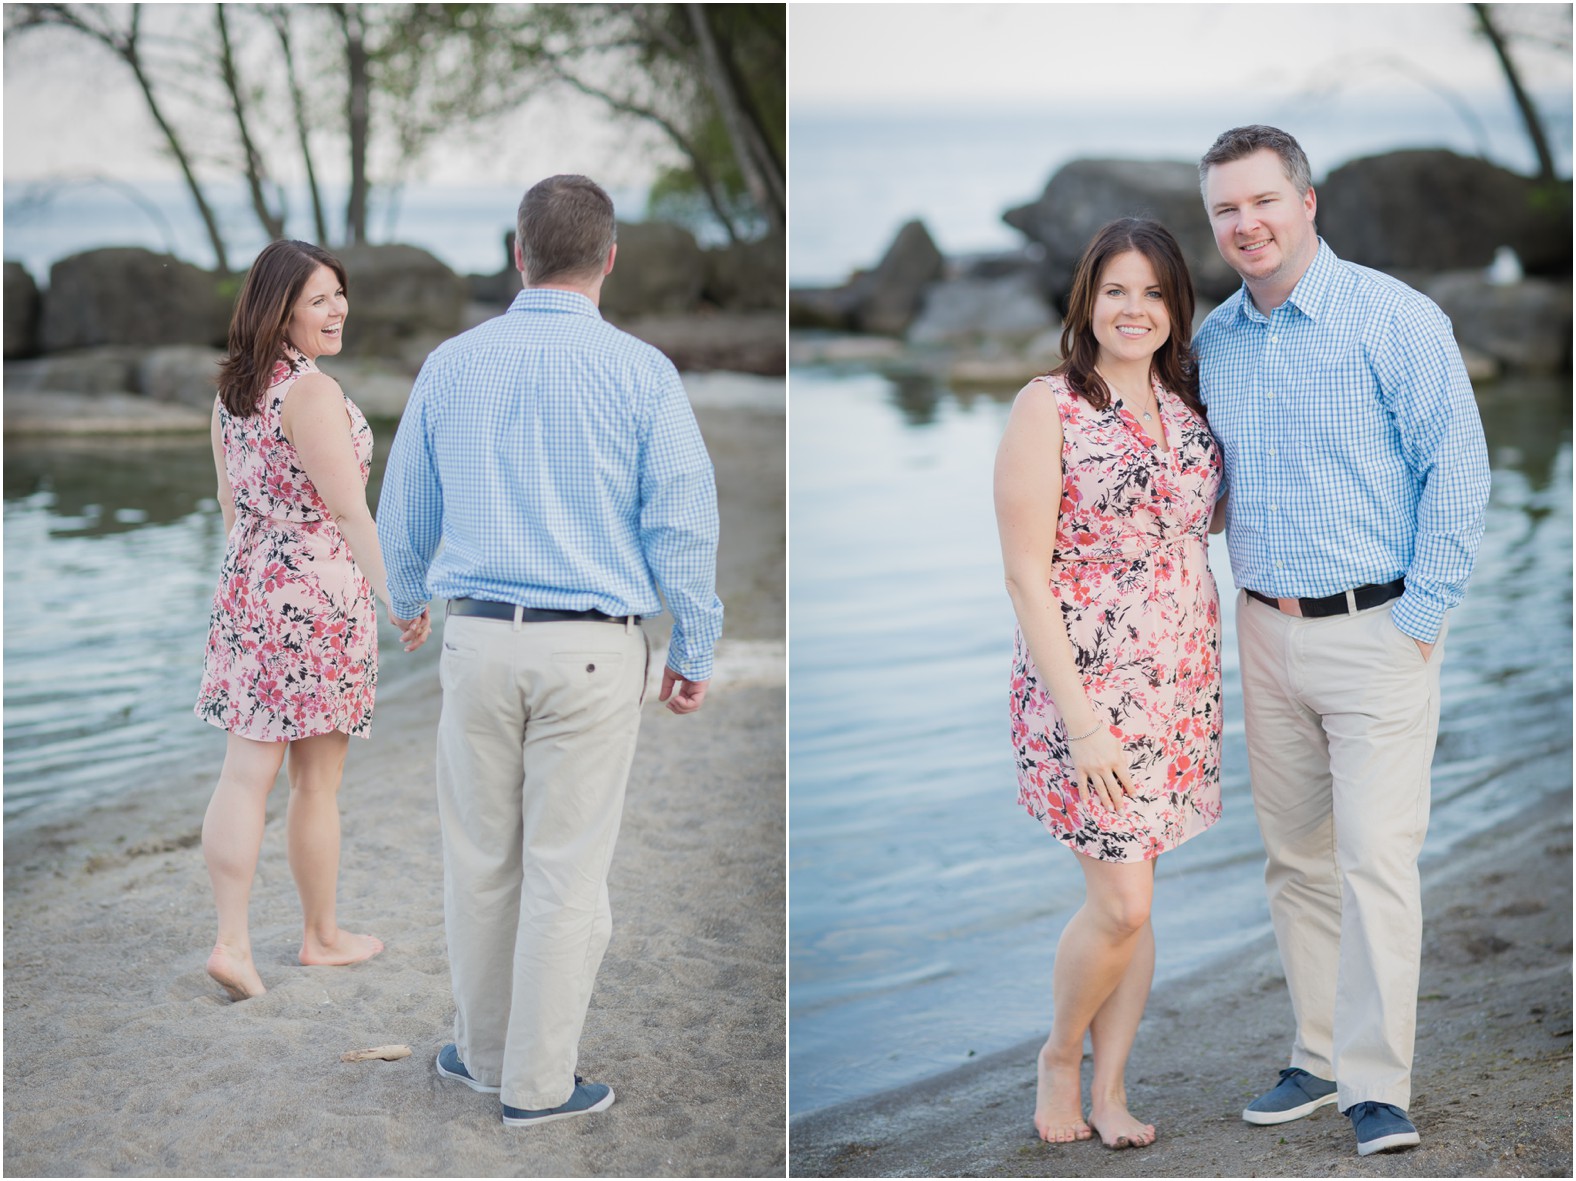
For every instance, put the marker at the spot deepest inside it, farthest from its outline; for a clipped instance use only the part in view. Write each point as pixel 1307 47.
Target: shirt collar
pixel 1311 296
pixel 551 299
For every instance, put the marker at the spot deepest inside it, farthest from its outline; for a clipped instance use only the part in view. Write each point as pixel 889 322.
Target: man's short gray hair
pixel 565 228
pixel 1244 141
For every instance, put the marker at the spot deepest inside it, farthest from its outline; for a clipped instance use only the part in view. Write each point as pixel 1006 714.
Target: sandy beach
pixel 1491 1088
pixel 122 1057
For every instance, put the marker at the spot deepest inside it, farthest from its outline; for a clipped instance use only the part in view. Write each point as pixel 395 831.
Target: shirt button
pixel 1274 338
pixel 1279 565
pixel 1274 508
pixel 1271 453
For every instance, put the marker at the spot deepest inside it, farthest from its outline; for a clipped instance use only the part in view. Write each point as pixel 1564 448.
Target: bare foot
pixel 235 973
pixel 1118 1128
pixel 1058 1100
pixel 343 948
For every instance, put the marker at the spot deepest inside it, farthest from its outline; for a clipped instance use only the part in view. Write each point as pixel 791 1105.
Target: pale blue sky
pixel 1134 54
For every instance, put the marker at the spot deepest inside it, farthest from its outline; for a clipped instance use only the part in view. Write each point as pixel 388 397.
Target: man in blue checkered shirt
pixel 558 462
pixel 1356 479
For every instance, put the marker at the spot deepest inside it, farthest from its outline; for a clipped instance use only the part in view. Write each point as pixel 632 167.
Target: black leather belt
pixel 490 610
pixel 1363 597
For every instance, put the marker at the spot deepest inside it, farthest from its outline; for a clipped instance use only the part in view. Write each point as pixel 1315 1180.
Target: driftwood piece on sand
pixel 387 1053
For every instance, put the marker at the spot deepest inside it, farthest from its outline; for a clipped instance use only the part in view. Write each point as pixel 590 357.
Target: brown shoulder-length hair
pixel 262 311
pixel 1173 362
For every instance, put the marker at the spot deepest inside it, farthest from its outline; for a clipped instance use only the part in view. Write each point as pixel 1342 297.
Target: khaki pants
pixel 534 746
pixel 1342 714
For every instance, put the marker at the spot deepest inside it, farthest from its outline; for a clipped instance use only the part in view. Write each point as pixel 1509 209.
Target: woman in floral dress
pixel 292 647
pixel 1106 480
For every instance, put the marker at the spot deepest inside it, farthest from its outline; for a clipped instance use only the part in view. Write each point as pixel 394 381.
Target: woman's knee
pixel 1120 895
pixel 317 765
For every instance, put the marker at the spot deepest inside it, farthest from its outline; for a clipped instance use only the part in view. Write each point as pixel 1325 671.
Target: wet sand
pixel 123 1057
pixel 1491 1088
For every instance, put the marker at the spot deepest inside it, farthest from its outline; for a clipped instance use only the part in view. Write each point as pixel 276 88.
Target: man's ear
pixel 519 258
pixel 607 267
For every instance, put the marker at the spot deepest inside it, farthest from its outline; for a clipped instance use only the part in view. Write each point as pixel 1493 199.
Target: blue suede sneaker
pixel 587 1097
pixel 1381 1127
pixel 1297 1094
pixel 450 1066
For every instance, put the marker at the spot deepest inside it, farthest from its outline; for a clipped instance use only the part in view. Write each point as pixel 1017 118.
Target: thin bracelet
pixel 1081 737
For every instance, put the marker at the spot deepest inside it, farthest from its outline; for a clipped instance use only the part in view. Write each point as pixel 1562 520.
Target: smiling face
pixel 1263 227
pixel 1129 320
pixel 318 318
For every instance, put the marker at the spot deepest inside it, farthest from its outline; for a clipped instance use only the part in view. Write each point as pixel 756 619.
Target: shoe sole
pixel 467 1080
pixel 1389 1143
pixel 601 1104
pixel 1264 1118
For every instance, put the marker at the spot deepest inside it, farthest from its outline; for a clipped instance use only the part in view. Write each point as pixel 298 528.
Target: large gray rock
pixel 1525 326
pixel 961 310
pixel 747 276
pixel 1086 194
pixel 739 342
pixel 1437 211
pixel 887 298
pixel 127 295
pixel 109 369
pixel 184 373
pixel 397 292
pixel 379 386
pixel 821 307
pixel 660 269
pixel 21 312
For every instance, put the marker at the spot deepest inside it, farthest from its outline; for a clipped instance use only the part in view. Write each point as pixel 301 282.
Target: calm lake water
pixel 924 903
pixel 112 553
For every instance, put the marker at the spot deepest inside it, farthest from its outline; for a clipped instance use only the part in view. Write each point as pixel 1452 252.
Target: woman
pixel 1105 482
pixel 292 647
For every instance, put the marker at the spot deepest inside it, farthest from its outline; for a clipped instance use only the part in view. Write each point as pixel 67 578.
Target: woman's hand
pixel 1100 767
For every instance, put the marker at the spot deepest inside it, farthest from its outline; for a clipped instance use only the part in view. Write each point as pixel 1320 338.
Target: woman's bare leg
pixel 312 830
pixel 1112 1032
pixel 232 836
pixel 1092 957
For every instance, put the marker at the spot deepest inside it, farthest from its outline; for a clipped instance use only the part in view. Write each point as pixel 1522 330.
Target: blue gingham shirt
pixel 1354 452
pixel 559 462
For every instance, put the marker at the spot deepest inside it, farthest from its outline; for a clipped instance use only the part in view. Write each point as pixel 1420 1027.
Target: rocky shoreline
pixel 123 340
pixel 1491 248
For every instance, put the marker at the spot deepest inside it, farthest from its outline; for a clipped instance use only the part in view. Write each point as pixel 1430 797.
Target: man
pixel 1357 478
pixel 558 461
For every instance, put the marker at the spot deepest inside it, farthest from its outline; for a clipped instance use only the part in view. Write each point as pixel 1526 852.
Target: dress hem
pixel 364 732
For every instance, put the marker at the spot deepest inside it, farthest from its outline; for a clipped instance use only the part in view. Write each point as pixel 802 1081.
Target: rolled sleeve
pixel 410 506
pixel 1442 443
pixel 679 526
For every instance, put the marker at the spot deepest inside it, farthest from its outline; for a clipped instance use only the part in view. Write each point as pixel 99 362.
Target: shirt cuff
pixel 399 606
pixel 692 666
pixel 1419 616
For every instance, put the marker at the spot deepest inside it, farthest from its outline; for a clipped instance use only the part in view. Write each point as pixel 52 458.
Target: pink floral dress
pixel 1142 613
pixel 292 641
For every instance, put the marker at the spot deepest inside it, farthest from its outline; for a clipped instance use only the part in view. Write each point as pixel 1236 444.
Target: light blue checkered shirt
pixel 559 462
pixel 1354 452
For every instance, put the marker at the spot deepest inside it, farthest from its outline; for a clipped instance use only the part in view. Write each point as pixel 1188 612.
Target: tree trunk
pixel 768 197
pixel 129 52
pixel 273 224
pixel 359 115
pixel 1529 113
pixel 281 19
pixel 125 48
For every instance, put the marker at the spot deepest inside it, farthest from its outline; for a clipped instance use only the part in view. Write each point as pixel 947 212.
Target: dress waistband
pixel 1087 559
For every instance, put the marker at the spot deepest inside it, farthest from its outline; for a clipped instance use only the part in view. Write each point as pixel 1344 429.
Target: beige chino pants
pixel 534 747
pixel 1342 714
